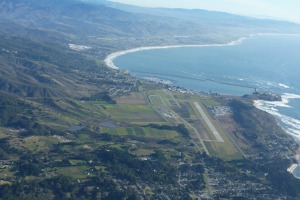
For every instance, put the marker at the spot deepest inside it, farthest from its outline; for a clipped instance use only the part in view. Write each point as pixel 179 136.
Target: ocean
pixel 269 63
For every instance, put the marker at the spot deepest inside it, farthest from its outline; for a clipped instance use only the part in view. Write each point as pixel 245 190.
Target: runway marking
pixel 208 122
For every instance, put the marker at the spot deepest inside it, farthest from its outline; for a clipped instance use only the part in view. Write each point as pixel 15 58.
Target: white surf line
pixel 208 122
pixel 292 168
pixel 109 59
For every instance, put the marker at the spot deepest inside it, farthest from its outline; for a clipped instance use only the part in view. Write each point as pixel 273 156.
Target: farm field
pixel 133 113
pixel 143 132
pixel 135 98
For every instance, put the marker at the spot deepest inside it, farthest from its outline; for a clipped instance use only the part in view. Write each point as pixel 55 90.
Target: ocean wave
pixel 290 125
pixel 283 85
pixel 291 96
pixel 269 85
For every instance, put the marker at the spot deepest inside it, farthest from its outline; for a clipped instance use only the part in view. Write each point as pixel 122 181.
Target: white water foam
pixel 283 85
pixel 289 124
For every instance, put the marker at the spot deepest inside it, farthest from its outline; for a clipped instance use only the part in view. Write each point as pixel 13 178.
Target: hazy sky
pixel 278 9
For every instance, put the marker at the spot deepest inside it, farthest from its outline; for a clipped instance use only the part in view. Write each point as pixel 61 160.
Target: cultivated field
pixel 133 113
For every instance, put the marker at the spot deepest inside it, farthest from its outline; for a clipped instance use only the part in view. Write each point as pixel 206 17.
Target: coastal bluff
pixel 265 96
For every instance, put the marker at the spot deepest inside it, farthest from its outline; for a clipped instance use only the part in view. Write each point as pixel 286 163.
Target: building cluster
pixel 114 83
pixel 220 110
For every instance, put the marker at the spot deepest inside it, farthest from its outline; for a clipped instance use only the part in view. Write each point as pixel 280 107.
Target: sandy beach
pixel 110 58
pixel 292 168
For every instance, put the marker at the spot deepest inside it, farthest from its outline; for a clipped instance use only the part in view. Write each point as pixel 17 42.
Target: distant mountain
pixel 79 18
pixel 83 21
pixel 205 17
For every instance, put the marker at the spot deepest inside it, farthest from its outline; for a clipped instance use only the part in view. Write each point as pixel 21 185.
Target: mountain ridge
pixel 81 18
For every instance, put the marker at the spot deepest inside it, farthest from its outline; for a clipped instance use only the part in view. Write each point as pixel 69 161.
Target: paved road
pixel 208 122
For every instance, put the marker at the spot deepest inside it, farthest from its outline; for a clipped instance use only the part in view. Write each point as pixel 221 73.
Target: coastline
pixel 293 128
pixel 290 125
pixel 110 58
pixel 292 168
